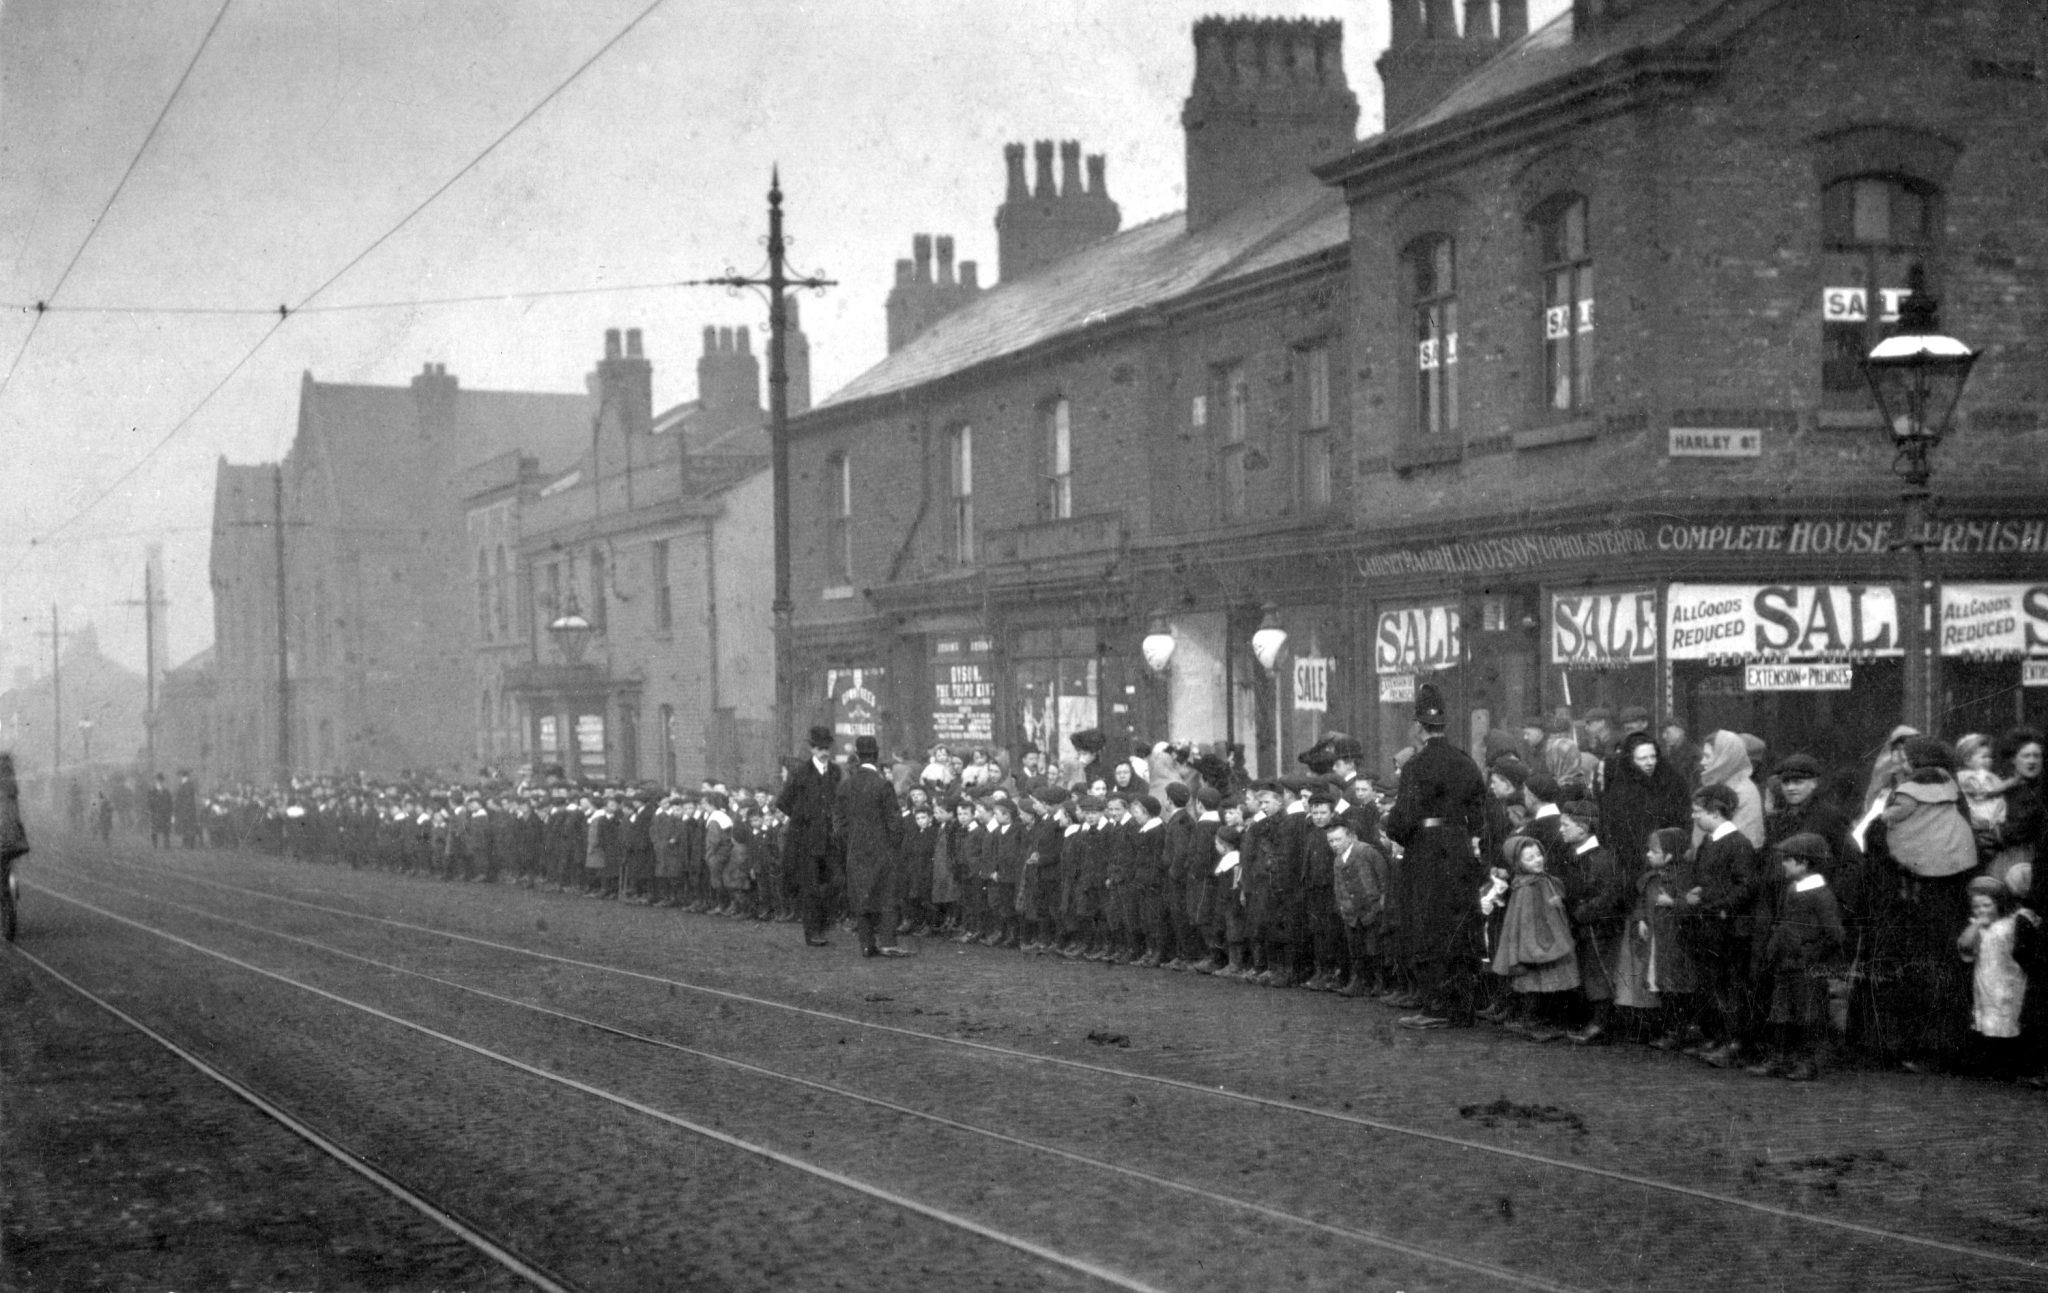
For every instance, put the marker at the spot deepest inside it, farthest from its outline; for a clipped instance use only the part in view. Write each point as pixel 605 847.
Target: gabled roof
pixel 1555 56
pixel 1146 266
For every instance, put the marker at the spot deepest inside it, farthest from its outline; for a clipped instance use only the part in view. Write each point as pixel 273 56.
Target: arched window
pixel 1567 304
pixel 1431 266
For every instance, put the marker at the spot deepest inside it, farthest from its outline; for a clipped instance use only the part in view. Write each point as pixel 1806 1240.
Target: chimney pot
pixel 633 343
pixel 945 246
pixel 1514 19
pixel 1070 168
pixel 742 337
pixel 1096 187
pixel 1441 19
pixel 1405 23
pixel 725 341
pixel 1013 164
pixel 611 343
pixel 970 276
pixel 710 340
pixel 921 251
pixel 1042 154
pixel 1479 21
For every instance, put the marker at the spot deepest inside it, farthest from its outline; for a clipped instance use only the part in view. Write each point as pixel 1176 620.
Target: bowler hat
pixel 866 749
pixel 821 737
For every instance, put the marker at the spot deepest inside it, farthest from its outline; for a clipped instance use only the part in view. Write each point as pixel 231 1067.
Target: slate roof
pixel 1555 52
pixel 1145 266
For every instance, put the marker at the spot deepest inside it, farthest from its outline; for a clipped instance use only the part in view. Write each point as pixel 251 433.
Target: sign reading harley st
pixel 1781 622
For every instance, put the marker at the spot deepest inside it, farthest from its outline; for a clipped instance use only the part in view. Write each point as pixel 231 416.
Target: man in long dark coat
pixel 1439 814
pixel 809 791
pixel 185 810
pixel 869 826
pixel 160 811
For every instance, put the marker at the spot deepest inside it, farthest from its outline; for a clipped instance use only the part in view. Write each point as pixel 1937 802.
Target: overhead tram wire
pixel 42 307
pixel 284 312
pixel 414 304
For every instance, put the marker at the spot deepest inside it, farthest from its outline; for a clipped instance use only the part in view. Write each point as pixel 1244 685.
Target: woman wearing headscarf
pixel 1643 794
pixel 1724 761
pixel 2021 834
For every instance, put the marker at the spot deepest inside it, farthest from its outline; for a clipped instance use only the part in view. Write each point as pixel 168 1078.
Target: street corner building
pixel 1551 394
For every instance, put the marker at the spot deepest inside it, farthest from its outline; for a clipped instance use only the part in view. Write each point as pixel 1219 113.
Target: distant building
pixel 379 587
pixel 188 733
pixel 94 726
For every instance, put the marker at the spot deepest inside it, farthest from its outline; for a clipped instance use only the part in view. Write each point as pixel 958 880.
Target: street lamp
pixel 570 630
pixel 1917 377
pixel 85 735
pixel 1158 645
pixel 1267 640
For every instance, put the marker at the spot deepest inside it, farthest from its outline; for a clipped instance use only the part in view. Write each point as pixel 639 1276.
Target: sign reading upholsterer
pixel 1780 622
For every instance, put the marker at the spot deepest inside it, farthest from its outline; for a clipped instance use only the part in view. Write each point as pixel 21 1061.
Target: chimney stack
pixel 728 375
pixel 1035 229
pixel 1269 101
pixel 625 383
pixel 1428 53
pixel 1013 162
pixel 796 357
pixel 917 302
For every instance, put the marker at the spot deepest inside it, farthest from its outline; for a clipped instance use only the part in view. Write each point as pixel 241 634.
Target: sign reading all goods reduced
pixel 1994 619
pixel 1781 621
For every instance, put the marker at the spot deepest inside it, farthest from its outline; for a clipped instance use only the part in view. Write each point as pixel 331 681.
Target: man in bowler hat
pixel 869 826
pixel 810 868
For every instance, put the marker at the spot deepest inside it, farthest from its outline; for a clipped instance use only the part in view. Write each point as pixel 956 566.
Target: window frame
pixel 1567 282
pixel 1430 313
pixel 960 491
pixel 1056 445
pixel 664 602
pixel 1316 475
pixel 839 523
pixel 1873 258
pixel 1231 392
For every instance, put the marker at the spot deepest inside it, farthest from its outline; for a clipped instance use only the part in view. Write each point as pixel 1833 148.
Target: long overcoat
pixel 869 827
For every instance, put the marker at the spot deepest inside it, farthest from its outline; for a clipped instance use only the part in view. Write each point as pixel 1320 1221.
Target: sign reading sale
pixel 1414 639
pixel 1781 622
pixel 1595 628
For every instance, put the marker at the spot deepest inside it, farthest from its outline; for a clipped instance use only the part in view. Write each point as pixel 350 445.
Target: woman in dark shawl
pixel 1644 793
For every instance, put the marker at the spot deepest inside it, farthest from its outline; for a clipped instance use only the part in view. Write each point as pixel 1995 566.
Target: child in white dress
pixel 1998 983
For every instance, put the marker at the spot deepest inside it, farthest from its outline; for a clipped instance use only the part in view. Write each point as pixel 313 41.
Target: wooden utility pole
pixel 284 666
pixel 151 599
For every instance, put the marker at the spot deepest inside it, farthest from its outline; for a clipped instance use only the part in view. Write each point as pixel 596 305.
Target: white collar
pixel 1148 826
pixel 1588 844
pixel 1210 815
pixel 1723 831
pixel 1545 810
pixel 1808 883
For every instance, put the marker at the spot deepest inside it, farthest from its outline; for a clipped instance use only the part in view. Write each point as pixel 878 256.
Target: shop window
pixel 1878 244
pixel 1056 435
pixel 839 529
pixel 1318 441
pixel 664 605
pixel 960 459
pixel 1431 275
pixel 1058 688
pixel 1567 305
pixel 1233 429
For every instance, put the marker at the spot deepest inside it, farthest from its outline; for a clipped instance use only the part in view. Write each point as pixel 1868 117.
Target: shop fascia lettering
pixel 1604 628
pixel 1417 639
pixel 2002 620
pixel 1781 622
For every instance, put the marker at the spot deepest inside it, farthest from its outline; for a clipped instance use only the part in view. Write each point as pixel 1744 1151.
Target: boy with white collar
pixel 1805 939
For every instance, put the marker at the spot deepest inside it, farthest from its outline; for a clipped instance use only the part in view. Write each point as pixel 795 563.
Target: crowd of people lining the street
pixel 1581 881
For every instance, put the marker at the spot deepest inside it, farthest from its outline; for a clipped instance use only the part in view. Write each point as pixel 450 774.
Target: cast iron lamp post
pixel 1917 377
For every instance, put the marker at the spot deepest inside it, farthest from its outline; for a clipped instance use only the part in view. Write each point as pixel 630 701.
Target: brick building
pixel 1371 405
pixel 656 532
pixel 378 589
pixel 1558 511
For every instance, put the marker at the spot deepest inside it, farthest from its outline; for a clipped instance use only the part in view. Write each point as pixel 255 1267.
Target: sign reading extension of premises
pixel 1604 628
pixel 1798 677
pixel 1716 442
pixel 1994 620
pixel 1781 622
pixel 1417 639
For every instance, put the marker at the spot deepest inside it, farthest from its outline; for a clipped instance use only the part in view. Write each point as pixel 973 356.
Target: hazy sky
pixel 308 128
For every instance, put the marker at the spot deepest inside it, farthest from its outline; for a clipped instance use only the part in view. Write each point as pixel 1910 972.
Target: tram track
pixel 1844 1227
pixel 1499 1274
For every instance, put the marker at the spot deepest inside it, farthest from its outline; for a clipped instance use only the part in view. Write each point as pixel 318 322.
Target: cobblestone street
pixel 1162 1130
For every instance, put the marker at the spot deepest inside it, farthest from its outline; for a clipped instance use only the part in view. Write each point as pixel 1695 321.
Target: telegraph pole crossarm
pixel 778 282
